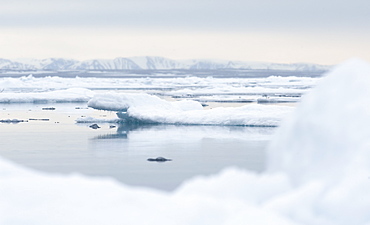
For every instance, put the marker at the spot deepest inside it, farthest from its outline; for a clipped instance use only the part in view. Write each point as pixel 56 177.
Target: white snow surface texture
pixel 68 95
pixel 319 168
pixel 151 109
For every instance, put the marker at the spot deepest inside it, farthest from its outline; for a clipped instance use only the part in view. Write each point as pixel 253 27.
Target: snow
pixel 90 119
pixel 203 89
pixel 277 100
pixel 68 95
pixel 341 101
pixel 327 142
pixel 144 108
pixel 319 165
pixel 121 102
pixel 28 197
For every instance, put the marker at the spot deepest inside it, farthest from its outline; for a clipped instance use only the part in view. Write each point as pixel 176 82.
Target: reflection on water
pixel 195 150
pixel 61 146
pixel 242 132
pixel 122 131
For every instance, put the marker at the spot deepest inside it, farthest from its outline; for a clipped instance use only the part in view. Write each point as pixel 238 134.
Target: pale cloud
pixel 110 43
pixel 227 15
pixel 323 31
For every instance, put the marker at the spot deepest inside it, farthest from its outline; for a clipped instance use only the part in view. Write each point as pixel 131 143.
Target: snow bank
pixel 68 95
pixel 335 125
pixel 326 145
pixel 319 167
pixel 144 108
pixel 32 198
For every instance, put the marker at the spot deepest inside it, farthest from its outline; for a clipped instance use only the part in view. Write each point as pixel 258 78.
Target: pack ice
pixel 319 169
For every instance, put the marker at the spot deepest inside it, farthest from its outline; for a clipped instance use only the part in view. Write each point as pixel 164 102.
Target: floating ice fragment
pixel 59 96
pixel 144 108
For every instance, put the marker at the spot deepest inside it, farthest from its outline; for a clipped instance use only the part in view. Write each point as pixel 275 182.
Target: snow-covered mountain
pixel 148 63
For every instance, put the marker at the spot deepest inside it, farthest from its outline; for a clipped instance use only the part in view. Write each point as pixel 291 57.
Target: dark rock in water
pixel 159 159
pixel 94 126
pixel 50 108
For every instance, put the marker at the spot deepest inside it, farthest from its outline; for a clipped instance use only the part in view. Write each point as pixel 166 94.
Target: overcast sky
pixel 319 31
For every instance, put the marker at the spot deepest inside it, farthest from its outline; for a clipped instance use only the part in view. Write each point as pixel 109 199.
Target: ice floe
pixel 144 108
pixel 178 87
pixel 58 96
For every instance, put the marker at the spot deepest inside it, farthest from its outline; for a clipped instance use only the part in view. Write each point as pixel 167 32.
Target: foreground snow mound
pixel 59 96
pixel 144 108
pixel 31 198
pixel 319 168
pixel 328 142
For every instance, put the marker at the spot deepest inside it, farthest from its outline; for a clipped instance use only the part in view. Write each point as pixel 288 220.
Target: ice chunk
pixel 97 120
pixel 272 100
pixel 122 101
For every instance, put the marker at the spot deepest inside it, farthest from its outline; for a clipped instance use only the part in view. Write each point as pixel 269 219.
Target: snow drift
pixel 326 145
pixel 144 108
pixel 319 165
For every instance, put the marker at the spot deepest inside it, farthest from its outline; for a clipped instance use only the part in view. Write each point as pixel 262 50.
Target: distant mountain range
pixel 147 63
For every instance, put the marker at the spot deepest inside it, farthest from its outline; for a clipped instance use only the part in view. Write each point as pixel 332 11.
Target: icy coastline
pixel 318 174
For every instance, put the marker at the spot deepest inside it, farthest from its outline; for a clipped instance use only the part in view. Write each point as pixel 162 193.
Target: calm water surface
pixel 59 145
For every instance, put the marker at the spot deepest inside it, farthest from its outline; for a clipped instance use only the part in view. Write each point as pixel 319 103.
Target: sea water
pixel 52 142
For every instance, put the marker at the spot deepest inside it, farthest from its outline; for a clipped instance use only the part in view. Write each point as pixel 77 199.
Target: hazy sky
pixel 319 31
